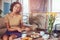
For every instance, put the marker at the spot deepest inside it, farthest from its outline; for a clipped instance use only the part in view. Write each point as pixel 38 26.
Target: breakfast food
pixel 27 38
pixel 35 35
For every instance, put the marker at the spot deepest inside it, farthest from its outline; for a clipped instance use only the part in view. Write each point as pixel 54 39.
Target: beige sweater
pixel 13 20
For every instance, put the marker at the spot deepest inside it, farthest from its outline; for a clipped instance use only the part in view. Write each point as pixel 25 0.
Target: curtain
pixel 38 5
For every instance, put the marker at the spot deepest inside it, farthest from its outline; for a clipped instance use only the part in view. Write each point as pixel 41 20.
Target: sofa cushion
pixel 39 19
pixel 2 23
pixel 2 26
pixel 2 31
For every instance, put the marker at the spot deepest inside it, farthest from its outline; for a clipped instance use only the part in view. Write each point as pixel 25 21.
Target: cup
pixel 42 33
pixel 45 37
pixel 24 35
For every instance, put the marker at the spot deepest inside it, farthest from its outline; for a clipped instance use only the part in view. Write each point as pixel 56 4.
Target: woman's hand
pixel 27 29
pixel 17 28
pixel 11 29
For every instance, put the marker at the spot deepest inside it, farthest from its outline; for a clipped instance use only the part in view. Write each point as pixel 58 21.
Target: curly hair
pixel 13 4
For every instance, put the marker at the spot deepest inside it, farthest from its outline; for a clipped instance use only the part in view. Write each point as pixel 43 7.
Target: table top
pixel 40 38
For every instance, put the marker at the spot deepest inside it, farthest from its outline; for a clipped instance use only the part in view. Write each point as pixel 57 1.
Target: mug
pixel 45 37
pixel 24 35
pixel 42 33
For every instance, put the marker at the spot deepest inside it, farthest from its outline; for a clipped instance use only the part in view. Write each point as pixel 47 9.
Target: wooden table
pixel 52 38
pixel 40 38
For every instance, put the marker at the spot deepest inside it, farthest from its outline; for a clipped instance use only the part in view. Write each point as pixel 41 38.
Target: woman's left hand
pixel 27 29
pixel 19 30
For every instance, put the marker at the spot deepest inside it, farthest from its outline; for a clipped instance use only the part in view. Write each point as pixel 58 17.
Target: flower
pixel 51 20
pixel 51 14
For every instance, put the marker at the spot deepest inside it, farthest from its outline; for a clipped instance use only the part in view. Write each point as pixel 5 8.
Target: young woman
pixel 14 23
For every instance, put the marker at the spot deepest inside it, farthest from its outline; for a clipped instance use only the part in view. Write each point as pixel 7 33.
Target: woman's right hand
pixel 17 28
pixel 11 29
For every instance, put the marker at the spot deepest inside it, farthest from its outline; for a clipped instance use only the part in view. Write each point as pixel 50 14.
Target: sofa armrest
pixel 2 31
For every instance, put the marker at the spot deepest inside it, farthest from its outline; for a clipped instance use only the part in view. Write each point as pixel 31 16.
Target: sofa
pixel 2 27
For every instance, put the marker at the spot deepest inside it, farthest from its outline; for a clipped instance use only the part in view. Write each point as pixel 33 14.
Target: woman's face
pixel 16 8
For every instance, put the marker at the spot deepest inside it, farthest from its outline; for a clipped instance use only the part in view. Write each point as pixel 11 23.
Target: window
pixel 55 5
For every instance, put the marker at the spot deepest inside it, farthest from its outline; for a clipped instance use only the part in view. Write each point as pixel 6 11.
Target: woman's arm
pixel 10 29
pixel 13 28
